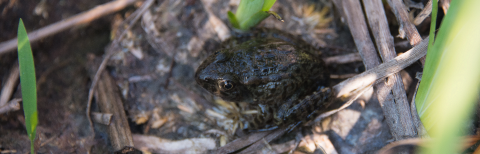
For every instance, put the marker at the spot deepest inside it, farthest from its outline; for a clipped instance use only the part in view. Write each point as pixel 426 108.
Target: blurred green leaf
pixel 253 20
pixel 247 8
pixel 268 4
pixel 450 84
pixel 233 20
pixel 27 82
pixel 250 13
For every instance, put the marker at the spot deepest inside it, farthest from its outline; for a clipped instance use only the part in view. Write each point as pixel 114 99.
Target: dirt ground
pixel 155 69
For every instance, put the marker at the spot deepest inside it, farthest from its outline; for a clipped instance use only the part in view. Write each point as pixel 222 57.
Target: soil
pixel 155 72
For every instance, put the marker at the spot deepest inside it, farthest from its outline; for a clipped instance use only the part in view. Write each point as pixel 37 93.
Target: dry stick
pixel 406 27
pixel 81 18
pixel 9 86
pixel 110 101
pixel 13 105
pixel 384 40
pixel 259 144
pixel 345 88
pixel 240 142
pixel 357 85
pixel 343 59
pixel 342 76
pixel 359 93
pixel 423 14
pixel 359 30
pixel 413 141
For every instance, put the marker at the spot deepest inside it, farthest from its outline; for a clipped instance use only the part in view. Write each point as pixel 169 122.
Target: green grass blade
pixel 433 24
pixel 233 20
pixel 450 83
pixel 27 82
pixel 430 67
pixel 250 13
pixel 268 4
pixel 247 8
pixel 253 20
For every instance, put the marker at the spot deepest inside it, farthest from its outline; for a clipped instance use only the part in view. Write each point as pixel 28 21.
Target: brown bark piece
pixel 110 101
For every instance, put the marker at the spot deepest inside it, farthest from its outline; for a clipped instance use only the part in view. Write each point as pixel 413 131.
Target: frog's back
pixel 269 68
pixel 275 70
pixel 270 71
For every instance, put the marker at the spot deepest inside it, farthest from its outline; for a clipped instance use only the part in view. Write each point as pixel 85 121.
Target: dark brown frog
pixel 283 77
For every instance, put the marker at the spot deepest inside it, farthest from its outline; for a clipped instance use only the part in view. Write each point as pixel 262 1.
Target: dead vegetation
pixel 144 80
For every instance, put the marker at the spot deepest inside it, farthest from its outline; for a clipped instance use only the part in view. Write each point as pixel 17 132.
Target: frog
pixel 280 75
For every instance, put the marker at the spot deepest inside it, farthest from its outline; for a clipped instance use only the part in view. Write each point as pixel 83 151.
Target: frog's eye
pixel 226 84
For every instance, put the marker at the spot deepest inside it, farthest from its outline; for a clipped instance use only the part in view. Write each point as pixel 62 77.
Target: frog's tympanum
pixel 282 76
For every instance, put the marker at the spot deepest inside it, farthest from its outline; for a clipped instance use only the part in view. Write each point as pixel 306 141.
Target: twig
pixel 349 86
pixel 13 105
pixel 465 143
pixel 384 40
pixel 81 18
pixel 259 144
pixel 358 28
pixel 423 14
pixel 9 86
pixel 343 59
pixel 362 81
pixel 406 27
pixel 342 76
pixel 8 151
pixel 241 142
pixel 413 141
pixel 365 46
pixel 348 103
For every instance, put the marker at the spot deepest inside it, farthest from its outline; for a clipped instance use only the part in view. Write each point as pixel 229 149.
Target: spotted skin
pixel 281 76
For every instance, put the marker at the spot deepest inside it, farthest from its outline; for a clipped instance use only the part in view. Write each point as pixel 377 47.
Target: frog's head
pixel 219 75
